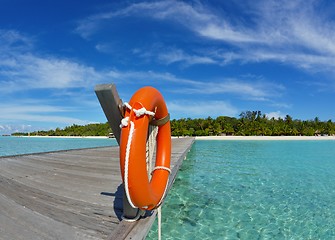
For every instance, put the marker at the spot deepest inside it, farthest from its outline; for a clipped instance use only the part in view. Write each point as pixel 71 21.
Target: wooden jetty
pixel 75 194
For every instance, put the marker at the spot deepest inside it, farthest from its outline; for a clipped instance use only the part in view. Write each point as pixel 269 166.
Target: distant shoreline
pixel 223 138
pixel 37 136
pixel 265 138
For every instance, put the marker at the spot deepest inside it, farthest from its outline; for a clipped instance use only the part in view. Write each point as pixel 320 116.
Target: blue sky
pixel 208 58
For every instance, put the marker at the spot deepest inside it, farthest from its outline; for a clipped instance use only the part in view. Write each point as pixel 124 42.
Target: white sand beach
pixel 265 138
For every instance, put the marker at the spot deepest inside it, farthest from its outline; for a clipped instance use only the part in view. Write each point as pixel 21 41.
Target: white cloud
pixel 311 62
pixel 275 115
pixel 8 129
pixel 252 89
pixel 291 32
pixel 249 87
pixel 195 17
pixel 22 69
pixel 281 105
pixel 29 71
pixel 177 55
pixel 104 48
pixel 200 109
pixel 14 40
pixel 37 113
pixel 226 33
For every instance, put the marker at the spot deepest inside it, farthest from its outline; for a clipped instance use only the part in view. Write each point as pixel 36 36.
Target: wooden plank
pixel 111 103
pixel 20 222
pixel 66 196
pixel 74 194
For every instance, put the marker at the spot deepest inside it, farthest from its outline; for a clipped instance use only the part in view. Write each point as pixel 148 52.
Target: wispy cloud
pixel 27 71
pixel 179 56
pixel 291 32
pixel 22 69
pixel 249 90
pixel 195 17
pixel 248 87
pixel 24 72
pixel 36 113
pixel 8 129
pixel 14 40
pixel 310 62
pixel 201 109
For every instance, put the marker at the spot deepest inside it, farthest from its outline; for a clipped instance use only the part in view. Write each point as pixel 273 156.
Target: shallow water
pixel 23 145
pixel 253 190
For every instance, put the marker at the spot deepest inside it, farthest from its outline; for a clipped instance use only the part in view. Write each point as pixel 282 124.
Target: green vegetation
pixel 97 129
pixel 250 123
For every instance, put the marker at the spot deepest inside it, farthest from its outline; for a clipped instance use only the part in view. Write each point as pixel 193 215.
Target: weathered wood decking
pixel 74 194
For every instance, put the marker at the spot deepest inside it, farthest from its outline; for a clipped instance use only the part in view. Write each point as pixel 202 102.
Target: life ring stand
pixel 147 106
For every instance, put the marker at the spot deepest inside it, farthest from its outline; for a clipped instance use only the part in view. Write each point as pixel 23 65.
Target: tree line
pixel 249 123
pixel 96 129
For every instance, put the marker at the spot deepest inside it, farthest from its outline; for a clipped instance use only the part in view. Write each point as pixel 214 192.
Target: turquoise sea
pixel 253 190
pixel 22 145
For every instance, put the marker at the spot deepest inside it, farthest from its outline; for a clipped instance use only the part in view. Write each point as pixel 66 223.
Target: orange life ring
pixel 141 192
